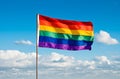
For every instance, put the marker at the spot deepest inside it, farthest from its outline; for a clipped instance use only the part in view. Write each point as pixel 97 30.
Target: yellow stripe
pixel 66 31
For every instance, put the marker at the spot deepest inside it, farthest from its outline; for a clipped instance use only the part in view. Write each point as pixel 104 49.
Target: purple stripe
pixel 63 46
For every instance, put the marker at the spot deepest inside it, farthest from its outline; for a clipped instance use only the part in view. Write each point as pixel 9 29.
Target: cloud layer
pixel 19 65
pixel 104 37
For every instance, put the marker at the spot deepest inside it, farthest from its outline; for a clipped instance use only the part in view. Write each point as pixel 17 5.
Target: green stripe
pixel 66 36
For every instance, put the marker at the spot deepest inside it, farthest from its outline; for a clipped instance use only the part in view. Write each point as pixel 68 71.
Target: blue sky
pixel 18 35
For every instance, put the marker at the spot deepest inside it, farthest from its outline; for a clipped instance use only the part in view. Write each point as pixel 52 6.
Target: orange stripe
pixel 66 31
pixel 73 25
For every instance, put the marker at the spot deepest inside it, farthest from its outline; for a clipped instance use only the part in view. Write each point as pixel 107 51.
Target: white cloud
pixel 116 58
pixel 104 37
pixel 15 64
pixel 15 58
pixel 87 64
pixel 24 42
pixel 57 60
pixel 103 59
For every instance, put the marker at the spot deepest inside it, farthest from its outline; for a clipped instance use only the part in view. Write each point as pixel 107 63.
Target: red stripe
pixel 73 25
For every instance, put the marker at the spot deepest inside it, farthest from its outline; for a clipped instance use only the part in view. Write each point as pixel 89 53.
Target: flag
pixel 64 34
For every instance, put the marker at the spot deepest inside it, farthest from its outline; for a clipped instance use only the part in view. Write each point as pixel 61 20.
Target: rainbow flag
pixel 64 34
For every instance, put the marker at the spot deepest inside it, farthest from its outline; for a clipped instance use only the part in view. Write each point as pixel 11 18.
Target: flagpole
pixel 37 45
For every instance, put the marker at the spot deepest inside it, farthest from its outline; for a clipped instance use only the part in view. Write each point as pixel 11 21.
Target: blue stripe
pixel 65 41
